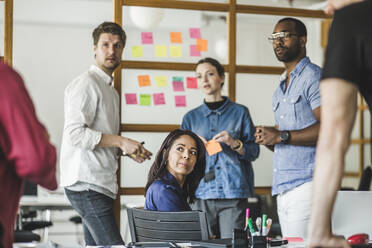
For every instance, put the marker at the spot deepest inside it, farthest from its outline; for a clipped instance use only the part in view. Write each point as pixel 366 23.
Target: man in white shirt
pixel 91 143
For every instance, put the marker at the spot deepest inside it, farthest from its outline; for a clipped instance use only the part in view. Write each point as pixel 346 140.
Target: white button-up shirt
pixel 91 109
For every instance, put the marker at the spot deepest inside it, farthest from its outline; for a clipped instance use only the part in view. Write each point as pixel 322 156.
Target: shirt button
pixel 218 168
pixel 213 130
pixel 284 100
pixel 293 101
pixel 275 170
pixel 220 187
pixel 281 116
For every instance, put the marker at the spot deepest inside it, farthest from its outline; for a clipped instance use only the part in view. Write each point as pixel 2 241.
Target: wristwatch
pixel 284 137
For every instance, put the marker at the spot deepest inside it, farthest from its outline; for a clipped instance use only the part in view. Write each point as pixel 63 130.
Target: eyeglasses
pixel 284 36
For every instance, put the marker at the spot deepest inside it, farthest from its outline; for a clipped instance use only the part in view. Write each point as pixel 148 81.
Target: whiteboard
pixel 167 113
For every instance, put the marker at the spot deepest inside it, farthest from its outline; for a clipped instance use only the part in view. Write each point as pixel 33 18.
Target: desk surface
pixel 51 203
pixel 56 203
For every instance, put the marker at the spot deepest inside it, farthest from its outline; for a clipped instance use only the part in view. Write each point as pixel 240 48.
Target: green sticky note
pixel 137 51
pixel 161 51
pixel 161 81
pixel 177 79
pixel 145 99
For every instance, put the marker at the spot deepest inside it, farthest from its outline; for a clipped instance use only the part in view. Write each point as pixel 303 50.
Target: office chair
pixel 26 222
pixel 365 180
pixel 153 226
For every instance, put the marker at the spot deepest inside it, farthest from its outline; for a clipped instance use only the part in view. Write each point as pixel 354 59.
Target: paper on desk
pixel 213 147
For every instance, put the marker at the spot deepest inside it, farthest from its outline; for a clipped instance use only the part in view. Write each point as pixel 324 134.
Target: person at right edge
pixel 228 182
pixel 296 106
pixel 347 69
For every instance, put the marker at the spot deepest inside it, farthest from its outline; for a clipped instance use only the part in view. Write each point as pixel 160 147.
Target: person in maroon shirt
pixel 25 150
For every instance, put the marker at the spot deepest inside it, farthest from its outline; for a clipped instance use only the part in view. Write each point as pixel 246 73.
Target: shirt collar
pixel 297 70
pixel 106 78
pixel 206 111
pixel 169 177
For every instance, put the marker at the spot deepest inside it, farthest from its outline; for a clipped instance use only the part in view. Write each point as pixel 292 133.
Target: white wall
pixel 53 45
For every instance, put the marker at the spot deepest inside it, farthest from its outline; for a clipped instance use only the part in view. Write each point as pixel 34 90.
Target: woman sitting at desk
pixel 175 175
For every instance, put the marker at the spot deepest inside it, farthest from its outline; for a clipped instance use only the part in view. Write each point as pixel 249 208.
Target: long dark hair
pixel 159 168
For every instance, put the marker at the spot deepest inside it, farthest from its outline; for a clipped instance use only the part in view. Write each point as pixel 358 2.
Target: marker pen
pixel 246 217
pixel 251 228
pixel 258 224
pixel 264 225
pixel 269 222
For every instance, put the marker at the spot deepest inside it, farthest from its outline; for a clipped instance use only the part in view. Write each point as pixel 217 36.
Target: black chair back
pixel 365 180
pixel 153 226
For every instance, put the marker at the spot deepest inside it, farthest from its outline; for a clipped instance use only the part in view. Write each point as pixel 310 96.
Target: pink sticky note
pixel 131 98
pixel 180 101
pixel 191 83
pixel 159 98
pixel 195 33
pixel 178 86
pixel 194 52
pixel 147 38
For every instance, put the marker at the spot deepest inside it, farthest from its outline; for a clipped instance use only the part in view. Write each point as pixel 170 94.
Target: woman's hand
pixel 224 137
pixel 203 139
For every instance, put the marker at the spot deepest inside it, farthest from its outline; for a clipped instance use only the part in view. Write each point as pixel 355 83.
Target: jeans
pixel 96 211
pixel 294 207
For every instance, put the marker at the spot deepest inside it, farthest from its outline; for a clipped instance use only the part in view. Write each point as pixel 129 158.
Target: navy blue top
pixel 166 195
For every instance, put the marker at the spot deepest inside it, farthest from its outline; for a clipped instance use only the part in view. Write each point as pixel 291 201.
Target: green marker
pixel 264 225
pixel 250 225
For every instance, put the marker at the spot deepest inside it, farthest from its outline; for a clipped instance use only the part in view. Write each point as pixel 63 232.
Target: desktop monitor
pixel 29 189
pixel 352 213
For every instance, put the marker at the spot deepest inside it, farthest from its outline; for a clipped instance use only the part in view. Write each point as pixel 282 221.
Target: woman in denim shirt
pixel 177 170
pixel 228 180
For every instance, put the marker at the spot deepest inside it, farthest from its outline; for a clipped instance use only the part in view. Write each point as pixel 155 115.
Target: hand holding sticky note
pixel 213 147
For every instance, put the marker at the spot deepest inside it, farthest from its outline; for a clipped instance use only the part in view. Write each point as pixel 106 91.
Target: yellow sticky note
pixel 213 147
pixel 175 37
pixel 161 81
pixel 202 45
pixel 137 51
pixel 161 51
pixel 175 51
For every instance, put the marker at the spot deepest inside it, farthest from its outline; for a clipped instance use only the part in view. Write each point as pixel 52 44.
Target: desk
pixel 31 203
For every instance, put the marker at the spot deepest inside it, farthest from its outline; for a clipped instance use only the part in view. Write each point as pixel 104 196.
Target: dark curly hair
pixel 300 27
pixel 159 168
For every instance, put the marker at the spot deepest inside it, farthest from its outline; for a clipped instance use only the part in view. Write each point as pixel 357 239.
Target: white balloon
pixel 221 48
pixel 146 18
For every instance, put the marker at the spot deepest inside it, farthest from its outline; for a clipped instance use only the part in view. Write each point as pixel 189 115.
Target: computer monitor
pixel 352 213
pixel 29 189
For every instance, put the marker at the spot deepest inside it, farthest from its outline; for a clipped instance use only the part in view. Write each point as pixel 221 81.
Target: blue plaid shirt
pixel 293 110
pixel 234 172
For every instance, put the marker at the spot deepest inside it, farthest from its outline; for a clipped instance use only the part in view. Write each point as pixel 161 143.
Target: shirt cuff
pixel 92 139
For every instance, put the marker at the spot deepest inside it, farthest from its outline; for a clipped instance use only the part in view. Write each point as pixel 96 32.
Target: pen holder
pixel 258 242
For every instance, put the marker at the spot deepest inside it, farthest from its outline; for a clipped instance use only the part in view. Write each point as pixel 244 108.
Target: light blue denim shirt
pixel 293 110
pixel 234 173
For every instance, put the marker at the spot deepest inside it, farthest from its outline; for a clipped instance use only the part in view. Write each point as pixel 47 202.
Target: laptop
pixel 352 213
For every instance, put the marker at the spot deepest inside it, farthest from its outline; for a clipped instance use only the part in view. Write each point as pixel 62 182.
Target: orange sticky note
pixel 144 80
pixel 213 147
pixel 175 37
pixel 202 45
